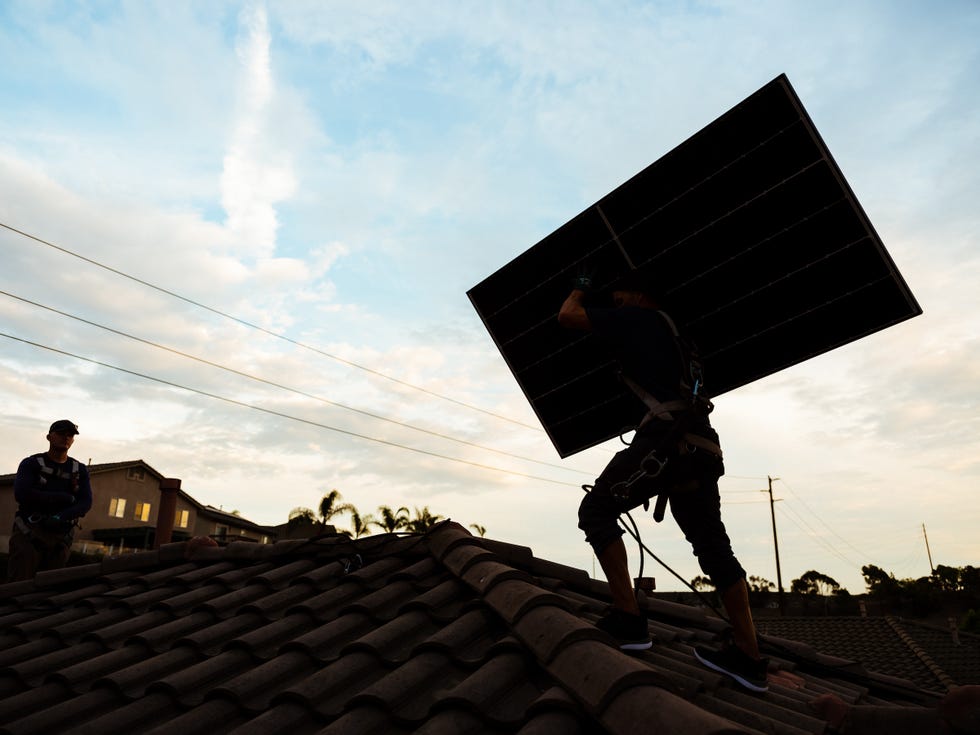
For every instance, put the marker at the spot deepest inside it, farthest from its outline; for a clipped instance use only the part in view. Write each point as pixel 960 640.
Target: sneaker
pixel 731 661
pixel 629 630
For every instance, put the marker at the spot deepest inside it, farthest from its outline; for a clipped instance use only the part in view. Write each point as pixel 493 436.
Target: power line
pixel 820 541
pixel 281 414
pixel 287 388
pixel 266 331
pixel 826 525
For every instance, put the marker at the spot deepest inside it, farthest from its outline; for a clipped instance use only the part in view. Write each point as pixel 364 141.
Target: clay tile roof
pixel 437 633
pixel 932 657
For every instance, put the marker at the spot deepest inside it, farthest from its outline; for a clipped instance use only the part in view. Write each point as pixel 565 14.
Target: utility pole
pixel 775 541
pixel 932 569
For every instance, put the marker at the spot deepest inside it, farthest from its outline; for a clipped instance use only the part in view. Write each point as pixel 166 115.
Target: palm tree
pixel 392 520
pixel 480 530
pixel 360 525
pixel 423 521
pixel 299 516
pixel 330 506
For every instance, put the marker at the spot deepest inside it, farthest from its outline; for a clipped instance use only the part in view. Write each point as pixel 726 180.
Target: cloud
pixel 257 171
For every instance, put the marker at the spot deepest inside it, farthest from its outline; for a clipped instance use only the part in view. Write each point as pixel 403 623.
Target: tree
pixel 331 506
pixel 360 525
pixel 922 596
pixel 423 520
pixel 480 530
pixel 300 516
pixel 392 520
pixel 702 583
pixel 880 583
pixel 760 584
pixel 945 578
pixel 814 583
pixel 970 582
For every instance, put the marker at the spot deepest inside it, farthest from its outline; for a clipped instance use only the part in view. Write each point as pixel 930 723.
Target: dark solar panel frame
pixel 760 248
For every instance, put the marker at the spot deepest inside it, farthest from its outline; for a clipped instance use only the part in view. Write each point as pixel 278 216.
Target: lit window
pixel 182 519
pixel 117 507
pixel 142 512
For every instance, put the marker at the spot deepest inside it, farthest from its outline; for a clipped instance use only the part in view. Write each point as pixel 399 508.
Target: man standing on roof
pixel 674 454
pixel 52 491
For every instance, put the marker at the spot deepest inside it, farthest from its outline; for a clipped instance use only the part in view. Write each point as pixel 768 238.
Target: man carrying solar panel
pixel 674 454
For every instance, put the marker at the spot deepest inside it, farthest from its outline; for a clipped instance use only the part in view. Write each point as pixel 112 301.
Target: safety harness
pixel 50 524
pixel 682 412
pixel 50 472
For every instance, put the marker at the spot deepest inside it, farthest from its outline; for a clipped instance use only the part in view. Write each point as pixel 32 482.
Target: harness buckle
pixel 652 457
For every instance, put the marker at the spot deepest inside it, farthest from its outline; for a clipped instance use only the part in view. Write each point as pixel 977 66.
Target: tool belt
pixel 664 470
pixel 677 449
pixel 45 530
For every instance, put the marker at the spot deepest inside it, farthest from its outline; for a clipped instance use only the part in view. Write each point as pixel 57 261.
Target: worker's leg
pixel 599 515
pixel 698 513
pixel 23 557
pixel 736 602
pixel 615 565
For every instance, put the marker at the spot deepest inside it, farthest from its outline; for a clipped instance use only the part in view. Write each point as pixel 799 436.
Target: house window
pixel 136 473
pixel 117 507
pixel 182 519
pixel 221 531
pixel 142 512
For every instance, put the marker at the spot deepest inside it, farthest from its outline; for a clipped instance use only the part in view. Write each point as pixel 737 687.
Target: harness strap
pixel 700 442
pixel 662 410
pixel 658 409
pixel 47 472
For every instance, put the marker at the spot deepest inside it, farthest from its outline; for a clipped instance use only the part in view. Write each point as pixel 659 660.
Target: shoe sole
pixel 637 646
pixel 741 680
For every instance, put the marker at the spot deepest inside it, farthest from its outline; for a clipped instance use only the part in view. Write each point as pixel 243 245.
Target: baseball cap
pixel 63 426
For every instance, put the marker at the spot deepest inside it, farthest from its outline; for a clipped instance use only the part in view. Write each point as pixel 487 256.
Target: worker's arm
pixel 572 314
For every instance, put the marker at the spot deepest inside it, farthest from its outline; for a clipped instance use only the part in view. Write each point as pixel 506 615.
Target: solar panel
pixel 760 248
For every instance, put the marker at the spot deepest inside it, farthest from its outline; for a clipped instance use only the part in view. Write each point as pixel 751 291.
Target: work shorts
pixel 690 478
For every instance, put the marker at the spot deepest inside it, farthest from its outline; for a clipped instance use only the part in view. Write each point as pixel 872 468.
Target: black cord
pixel 661 562
pixel 636 535
pixel 644 549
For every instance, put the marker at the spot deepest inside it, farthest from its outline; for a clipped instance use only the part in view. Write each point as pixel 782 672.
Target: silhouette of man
pixel 52 491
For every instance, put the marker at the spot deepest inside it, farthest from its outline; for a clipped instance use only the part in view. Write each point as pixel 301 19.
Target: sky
pixel 237 238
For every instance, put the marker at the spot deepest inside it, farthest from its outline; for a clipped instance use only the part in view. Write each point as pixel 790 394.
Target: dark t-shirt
pixel 644 346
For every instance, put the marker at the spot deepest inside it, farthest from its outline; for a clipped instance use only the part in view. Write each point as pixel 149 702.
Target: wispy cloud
pixel 257 171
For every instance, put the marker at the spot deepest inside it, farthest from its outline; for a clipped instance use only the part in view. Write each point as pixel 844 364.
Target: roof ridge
pixel 945 679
